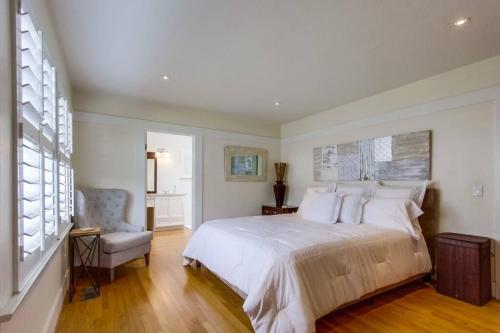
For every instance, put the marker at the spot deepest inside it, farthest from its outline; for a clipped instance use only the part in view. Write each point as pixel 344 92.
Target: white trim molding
pixel 496 243
pixel 471 98
pixel 98 118
pixel 197 135
pixel 55 311
pixel 197 196
pixel 15 300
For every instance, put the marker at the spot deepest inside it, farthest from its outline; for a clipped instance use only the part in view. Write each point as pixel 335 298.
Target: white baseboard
pixel 159 220
pixel 169 227
pixel 51 324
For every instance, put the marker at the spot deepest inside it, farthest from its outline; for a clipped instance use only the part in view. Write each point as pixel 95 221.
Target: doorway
pixel 169 181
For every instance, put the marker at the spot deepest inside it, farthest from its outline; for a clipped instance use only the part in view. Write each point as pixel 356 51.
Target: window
pixel 45 177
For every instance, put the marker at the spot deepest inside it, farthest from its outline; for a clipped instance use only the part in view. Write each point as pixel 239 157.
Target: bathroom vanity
pixel 168 210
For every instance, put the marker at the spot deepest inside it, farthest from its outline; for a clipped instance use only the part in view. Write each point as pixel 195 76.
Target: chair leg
pixel 111 275
pixel 146 258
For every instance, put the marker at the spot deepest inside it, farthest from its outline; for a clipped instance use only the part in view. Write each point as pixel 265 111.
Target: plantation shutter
pixel 44 147
pixel 49 100
pixel 31 198
pixel 30 155
pixel 63 125
pixel 63 193
pixel 50 204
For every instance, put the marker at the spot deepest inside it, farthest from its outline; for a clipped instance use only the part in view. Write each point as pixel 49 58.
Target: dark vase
pixel 279 193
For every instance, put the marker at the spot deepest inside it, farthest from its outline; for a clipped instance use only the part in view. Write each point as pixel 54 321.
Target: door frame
pixel 197 173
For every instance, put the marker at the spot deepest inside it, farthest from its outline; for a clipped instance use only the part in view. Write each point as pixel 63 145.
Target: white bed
pixel 294 271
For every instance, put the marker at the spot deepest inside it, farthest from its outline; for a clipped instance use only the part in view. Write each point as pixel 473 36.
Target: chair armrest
pixel 127 227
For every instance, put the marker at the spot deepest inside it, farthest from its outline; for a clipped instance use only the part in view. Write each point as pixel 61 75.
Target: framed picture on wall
pixel 245 164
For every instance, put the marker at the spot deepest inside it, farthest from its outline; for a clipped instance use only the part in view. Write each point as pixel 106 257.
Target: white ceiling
pixel 240 56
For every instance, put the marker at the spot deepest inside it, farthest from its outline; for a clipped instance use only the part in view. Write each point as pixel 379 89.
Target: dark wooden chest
pixel 464 267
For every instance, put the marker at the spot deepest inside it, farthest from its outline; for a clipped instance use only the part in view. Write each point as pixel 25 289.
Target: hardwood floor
pixel 166 297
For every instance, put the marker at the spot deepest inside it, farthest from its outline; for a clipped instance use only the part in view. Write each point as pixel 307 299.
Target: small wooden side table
pixel 273 210
pixel 86 243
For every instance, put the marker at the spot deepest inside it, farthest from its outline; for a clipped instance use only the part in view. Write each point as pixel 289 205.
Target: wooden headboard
pixel 429 221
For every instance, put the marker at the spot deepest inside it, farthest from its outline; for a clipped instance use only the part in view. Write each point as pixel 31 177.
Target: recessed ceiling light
pixel 166 78
pixel 276 103
pixel 461 21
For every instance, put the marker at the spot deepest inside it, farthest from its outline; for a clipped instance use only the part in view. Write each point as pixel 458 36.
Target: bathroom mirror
pixel 151 172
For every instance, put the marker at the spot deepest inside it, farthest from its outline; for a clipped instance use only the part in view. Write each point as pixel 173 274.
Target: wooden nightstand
pixel 464 267
pixel 273 210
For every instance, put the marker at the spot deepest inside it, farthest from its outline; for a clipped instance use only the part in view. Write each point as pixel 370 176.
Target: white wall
pixel 40 308
pixel 463 143
pixel 453 105
pixel 460 107
pixel 459 81
pixel 109 152
pixel 232 199
pixel 110 156
pixel 124 106
pixel 106 155
pixel 5 154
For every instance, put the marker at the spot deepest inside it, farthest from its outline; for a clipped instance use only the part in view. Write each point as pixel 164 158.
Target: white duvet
pixel 294 272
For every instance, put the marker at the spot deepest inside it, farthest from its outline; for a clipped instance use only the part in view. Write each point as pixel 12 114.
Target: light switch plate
pixel 477 191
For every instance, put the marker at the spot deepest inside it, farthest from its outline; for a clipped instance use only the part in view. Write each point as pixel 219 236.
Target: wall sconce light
pixel 162 153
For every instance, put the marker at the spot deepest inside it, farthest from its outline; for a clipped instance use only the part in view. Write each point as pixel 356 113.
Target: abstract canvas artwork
pixel 396 157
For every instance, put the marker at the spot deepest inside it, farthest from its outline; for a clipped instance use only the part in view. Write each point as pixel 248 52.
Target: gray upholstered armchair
pixel 120 241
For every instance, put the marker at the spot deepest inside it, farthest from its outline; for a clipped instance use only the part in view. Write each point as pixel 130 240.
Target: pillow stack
pixel 395 207
pixel 393 213
pixel 309 196
pixel 323 207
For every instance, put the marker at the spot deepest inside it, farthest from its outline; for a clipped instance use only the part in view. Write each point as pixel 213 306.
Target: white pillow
pixel 312 189
pixel 393 213
pixel 393 193
pixel 316 189
pixel 351 209
pixel 350 189
pixel 415 192
pixel 321 207
pixel 365 188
